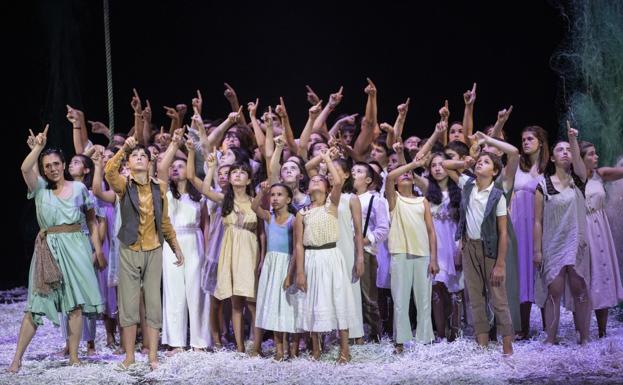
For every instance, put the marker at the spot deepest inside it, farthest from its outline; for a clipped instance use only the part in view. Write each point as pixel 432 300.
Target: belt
pixel 47 275
pixel 330 245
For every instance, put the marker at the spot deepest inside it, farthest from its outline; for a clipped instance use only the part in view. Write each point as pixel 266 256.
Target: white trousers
pixel 183 299
pixel 409 272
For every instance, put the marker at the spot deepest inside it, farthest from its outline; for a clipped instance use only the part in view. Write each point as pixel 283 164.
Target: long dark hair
pixel 435 195
pixel 193 193
pixel 291 208
pixel 345 165
pixel 228 199
pixel 524 159
pixel 87 180
pixel 51 151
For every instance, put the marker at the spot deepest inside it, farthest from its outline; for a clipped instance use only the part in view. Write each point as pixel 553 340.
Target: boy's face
pixel 138 160
pixel 484 167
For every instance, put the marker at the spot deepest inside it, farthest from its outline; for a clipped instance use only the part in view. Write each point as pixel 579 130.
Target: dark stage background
pixel 168 49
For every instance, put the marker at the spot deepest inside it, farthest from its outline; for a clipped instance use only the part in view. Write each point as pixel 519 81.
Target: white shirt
pixel 477 204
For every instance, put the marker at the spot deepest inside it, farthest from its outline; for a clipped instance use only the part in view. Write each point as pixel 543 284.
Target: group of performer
pixel 223 223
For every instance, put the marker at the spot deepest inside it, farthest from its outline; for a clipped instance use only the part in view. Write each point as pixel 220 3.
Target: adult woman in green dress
pixel 62 277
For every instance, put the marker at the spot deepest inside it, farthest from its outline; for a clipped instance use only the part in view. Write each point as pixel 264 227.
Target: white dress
pixel 328 303
pixel 346 244
pixel 183 299
pixel 275 308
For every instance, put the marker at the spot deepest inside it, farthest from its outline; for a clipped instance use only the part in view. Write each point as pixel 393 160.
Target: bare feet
pixel 91 348
pixel 119 351
pixel 343 359
pixel 63 352
pixel 153 365
pixel 74 362
pixel 145 350
pixel 172 352
pixel 315 355
pixel 507 345
pixel 359 341
pixel 14 367
pixel 399 348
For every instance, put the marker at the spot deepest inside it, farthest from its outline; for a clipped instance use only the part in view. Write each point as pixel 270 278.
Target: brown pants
pixel 477 272
pixel 370 295
pixel 139 269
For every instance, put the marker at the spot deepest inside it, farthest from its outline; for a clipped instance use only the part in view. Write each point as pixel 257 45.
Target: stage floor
pixel 461 362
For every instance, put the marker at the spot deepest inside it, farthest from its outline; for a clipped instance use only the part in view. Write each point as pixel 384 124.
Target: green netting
pixel 590 63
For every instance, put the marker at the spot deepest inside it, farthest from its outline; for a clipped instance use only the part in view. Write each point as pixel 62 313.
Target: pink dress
pixel 606 290
pixel 522 217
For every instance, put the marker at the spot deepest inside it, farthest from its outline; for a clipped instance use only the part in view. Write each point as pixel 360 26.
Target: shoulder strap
pixel 365 226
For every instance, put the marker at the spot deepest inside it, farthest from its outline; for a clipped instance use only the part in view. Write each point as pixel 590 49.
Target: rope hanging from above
pixel 111 111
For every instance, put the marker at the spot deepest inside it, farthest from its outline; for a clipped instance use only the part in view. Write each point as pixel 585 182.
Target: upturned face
pixel 361 180
pixel 561 156
pixel 138 160
pixel 290 172
pixel 177 172
pixel 238 177
pixel 379 154
pixel 77 169
pixel 484 167
pixel 412 143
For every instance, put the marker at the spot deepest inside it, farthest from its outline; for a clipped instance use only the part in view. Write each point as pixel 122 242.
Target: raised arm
pixel 314 111
pixel 137 107
pixel 336 189
pixel 281 111
pixel 369 121
pixel 579 168
pixel 440 130
pixel 400 122
pixel 274 168
pixel 256 204
pixel 499 124
pixel 260 138
pixel 79 132
pixel 206 187
pixel 469 97
pixel 144 134
pixel 30 176
pixel 512 154
pixel 98 179
pixel 174 115
pixel 191 174
pixel 169 155
pixel 334 101
pixel 217 134
pixel 234 104
pixel 269 147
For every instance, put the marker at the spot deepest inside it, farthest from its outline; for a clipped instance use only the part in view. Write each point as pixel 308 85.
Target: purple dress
pixel 606 289
pixel 107 291
pixel 213 250
pixel 522 217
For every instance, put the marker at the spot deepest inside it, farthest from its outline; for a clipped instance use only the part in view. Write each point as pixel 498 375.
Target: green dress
pixel 72 252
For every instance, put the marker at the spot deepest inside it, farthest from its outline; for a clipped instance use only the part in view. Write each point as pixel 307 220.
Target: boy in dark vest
pixel 145 225
pixel 482 227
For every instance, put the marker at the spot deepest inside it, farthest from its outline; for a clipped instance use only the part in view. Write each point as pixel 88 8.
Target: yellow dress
pixel 239 254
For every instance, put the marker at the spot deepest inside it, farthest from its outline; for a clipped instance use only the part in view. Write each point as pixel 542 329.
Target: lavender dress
pixel 606 290
pixel 522 217
pixel 108 289
pixel 212 252
pixel 445 227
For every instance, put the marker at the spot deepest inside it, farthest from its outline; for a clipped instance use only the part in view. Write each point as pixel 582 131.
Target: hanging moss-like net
pixel 590 64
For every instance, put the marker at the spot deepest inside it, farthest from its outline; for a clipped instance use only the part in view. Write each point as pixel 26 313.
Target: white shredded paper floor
pixel 461 362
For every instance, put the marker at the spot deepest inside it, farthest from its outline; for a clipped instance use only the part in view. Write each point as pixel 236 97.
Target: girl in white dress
pixel 183 300
pixel 321 271
pixel 275 309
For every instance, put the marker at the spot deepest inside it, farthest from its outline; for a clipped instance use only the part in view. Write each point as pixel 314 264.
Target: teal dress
pixel 72 252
